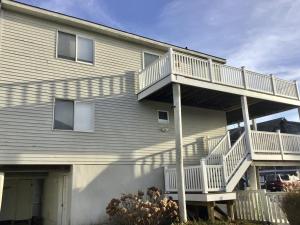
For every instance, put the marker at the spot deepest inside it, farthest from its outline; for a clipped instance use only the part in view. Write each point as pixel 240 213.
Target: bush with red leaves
pixel 136 209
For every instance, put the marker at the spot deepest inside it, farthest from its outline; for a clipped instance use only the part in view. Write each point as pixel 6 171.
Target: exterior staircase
pixel 225 165
pixel 234 161
pixel 220 171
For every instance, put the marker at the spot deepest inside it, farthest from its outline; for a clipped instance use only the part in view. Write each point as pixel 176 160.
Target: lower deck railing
pixel 194 179
pixel 275 143
pixel 217 170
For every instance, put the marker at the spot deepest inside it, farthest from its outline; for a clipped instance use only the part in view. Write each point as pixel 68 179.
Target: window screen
pixel 84 116
pixel 66 47
pixel 149 58
pixel 85 51
pixel 163 117
pixel 64 114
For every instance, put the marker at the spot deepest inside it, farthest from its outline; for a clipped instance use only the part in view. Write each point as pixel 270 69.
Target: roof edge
pixel 98 28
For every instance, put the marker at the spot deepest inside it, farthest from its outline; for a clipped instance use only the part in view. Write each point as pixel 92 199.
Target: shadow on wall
pixel 123 125
pixel 131 151
pixel 96 185
pixel 43 92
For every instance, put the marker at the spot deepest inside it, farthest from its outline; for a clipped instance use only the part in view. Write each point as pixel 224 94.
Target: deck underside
pixel 218 100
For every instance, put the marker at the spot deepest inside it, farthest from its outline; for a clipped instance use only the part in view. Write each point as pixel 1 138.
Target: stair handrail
pixel 229 174
pixel 212 142
pixel 214 152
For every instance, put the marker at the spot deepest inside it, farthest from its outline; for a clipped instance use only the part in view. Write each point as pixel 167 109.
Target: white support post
pixel 228 139
pixel 210 70
pixel 204 176
pixel 254 125
pixel 224 169
pixel 299 112
pixel 273 82
pixel 166 176
pixel 1 187
pixel 280 144
pixel 171 60
pixel 247 125
pixel 179 152
pixel 244 77
pixel 139 80
pixel 252 178
pixel 257 178
pixel 297 89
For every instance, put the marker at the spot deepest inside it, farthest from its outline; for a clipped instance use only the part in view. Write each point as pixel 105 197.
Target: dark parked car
pixel 281 182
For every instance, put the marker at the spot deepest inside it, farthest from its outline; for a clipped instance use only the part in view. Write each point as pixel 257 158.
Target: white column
pixel 299 112
pixel 210 70
pixel 273 84
pixel 1 187
pixel 297 89
pixel 280 144
pixel 179 152
pixel 244 77
pixel 247 124
pixel 254 125
pixel 204 176
pixel 171 60
pixel 252 178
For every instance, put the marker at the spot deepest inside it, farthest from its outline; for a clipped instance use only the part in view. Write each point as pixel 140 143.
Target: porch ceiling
pixel 216 100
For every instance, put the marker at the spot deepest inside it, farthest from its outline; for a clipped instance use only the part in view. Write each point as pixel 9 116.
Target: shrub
pixel 290 206
pixel 201 222
pixel 136 209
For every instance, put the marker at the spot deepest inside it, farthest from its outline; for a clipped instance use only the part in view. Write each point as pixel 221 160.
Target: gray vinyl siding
pixel 126 131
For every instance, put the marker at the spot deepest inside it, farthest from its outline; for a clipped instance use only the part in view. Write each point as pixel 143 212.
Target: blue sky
pixel 262 35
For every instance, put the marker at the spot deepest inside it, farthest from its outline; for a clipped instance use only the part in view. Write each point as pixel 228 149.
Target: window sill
pixel 76 131
pixel 76 61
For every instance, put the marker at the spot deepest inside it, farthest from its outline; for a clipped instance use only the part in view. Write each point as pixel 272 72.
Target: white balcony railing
pixel 197 68
pixel 220 167
pixel 275 143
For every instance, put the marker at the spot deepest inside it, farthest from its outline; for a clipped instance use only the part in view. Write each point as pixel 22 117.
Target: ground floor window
pixel 73 115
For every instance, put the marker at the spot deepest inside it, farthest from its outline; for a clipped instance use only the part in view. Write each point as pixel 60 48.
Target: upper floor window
pixel 73 115
pixel 74 47
pixel 149 58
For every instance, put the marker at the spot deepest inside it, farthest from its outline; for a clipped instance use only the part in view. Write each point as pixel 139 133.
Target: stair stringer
pixel 238 174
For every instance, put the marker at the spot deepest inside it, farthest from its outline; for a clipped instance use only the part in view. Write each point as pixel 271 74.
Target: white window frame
pixel 161 121
pixel 149 52
pixel 74 102
pixel 76 47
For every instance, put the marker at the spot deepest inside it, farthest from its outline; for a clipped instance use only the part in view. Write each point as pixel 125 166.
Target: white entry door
pixel 55 199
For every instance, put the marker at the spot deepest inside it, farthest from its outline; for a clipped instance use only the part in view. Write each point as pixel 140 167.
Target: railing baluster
pixel 187 65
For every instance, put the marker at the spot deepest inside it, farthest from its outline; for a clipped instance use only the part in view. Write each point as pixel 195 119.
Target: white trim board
pixel 207 197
